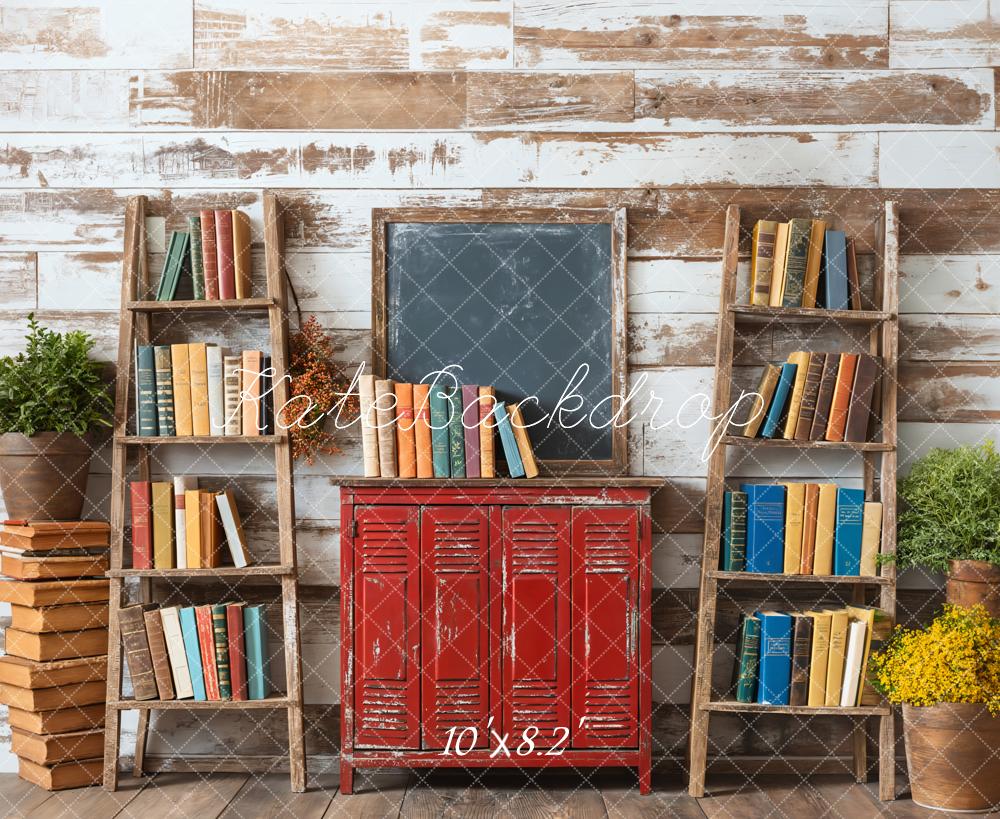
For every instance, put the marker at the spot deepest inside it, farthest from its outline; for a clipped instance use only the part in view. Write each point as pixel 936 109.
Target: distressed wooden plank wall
pixel 673 109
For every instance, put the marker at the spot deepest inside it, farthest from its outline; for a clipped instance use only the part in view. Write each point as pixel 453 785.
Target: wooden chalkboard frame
pixel 617 464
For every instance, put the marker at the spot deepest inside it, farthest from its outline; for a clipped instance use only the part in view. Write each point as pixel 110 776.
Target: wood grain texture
pixel 520 99
pixel 18 281
pixel 938 160
pixel 943 33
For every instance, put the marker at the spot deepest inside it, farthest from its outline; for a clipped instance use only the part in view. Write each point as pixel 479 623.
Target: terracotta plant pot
pixel 953 756
pixel 974 581
pixel 44 477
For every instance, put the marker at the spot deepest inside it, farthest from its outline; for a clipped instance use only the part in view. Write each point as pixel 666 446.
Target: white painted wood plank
pixel 461 34
pixel 79 281
pixel 967 159
pixel 949 284
pixel 942 337
pixel 18 281
pixel 64 100
pixel 943 33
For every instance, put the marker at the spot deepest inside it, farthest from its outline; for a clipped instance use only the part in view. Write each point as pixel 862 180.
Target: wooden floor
pixel 454 796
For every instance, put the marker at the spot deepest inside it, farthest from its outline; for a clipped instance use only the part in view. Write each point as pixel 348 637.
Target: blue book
pixel 507 440
pixel 258 659
pixel 847 531
pixel 781 391
pixel 835 271
pixel 734 532
pixel 765 549
pixel 189 631
pixel 775 671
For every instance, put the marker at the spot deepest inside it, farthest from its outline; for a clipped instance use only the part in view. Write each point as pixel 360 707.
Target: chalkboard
pixel 519 300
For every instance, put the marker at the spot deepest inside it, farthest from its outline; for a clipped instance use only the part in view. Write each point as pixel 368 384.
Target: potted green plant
pixel 947 678
pixel 950 522
pixel 51 396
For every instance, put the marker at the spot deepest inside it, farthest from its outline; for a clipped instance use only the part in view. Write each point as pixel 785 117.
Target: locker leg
pixel 346 778
pixel 645 776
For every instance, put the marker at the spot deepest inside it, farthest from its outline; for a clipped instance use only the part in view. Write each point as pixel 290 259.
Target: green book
pixel 164 390
pixel 145 391
pixel 221 634
pixel 747 659
pixel 734 532
pixel 456 434
pixel 197 260
pixel 439 406
pixel 795 261
pixel 172 265
pixel 258 659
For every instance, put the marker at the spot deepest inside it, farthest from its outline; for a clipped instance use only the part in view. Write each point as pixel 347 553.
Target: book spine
pixel 860 403
pixel 738 533
pixel 456 434
pixel 164 374
pixel 221 638
pixel 250 384
pixel 158 654
pixel 173 264
pixel 847 534
pixel 233 528
pixel 385 419
pixel 871 539
pixel 841 401
pixel 762 261
pixel 470 428
pixel 192 652
pixel 801 360
pixel 174 640
pixel 794 516
pixel 266 398
pixel 835 271
pixel 524 448
pixel 775 659
pixel 796 261
pixel 182 483
pixel 237 651
pixel 422 431
pixel 826 523
pixel 369 425
pixel 853 281
pixel 224 252
pixel 748 661
pixel 801 650
pixel 231 394
pixel 140 496
pixel 487 424
pixel 206 642
pixel 824 397
pixel 777 288
pixel 197 258
pixel 406 436
pixel 145 395
pixel 439 431
pixel 781 393
pixel 242 258
pixel 192 513
pixel 818 659
pixel 216 390
pixel 181 362
pixel 762 400
pixel 810 394
pixel 162 498
pixel 510 451
pixel 211 530
pixel 837 653
pixel 209 254
pixel 765 547
pixel 198 364
pixel 136 645
pixel 809 518
pixel 255 639
pixel 810 286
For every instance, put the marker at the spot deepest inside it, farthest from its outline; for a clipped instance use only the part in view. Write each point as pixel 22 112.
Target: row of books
pixel 816 397
pixel 197 389
pixel 434 431
pixel 813 658
pixel 800 528
pixel 214 252
pixel 175 525
pixel 216 652
pixel 802 263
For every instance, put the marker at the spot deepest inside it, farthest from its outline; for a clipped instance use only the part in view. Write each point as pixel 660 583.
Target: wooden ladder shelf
pixel 136 328
pixel 879 459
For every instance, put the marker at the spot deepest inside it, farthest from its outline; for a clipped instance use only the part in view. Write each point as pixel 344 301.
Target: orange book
pixel 422 430
pixel 180 365
pixel 841 397
pixel 211 531
pixel 809 514
pixel 487 458
pixel 406 438
pixel 252 364
pixel 198 366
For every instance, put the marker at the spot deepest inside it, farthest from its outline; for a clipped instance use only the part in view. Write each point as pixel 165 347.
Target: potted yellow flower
pixel 947 677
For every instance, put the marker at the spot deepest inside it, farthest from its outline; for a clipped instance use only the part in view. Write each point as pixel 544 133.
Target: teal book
pixel 255 636
pixel 847 531
pixel 177 251
pixel 747 659
pixel 456 434
pixel 220 632
pixel 440 450
pixel 734 531
pixel 777 410
pixel 197 261
pixel 795 261
pixel 189 633
pixel 511 453
pixel 775 671
pixel 146 412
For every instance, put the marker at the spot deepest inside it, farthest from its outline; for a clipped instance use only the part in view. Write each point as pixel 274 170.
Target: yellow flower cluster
pixel 955 659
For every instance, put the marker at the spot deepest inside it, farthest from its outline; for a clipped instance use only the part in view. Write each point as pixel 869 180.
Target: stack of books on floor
pixel 213 255
pixel 215 652
pixel 800 529
pixel 433 431
pixel 53 676
pixel 812 658
pixel 802 263
pixel 816 397
pixel 176 525
pixel 197 389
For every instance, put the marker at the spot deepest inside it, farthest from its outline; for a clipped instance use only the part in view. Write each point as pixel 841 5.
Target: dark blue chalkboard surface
pixel 530 302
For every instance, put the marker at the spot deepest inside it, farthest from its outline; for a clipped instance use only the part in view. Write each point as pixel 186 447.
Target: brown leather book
pixel 406 435
pixel 801 658
pixel 59 618
pixel 809 514
pixel 54 592
pixel 60 696
pixel 75 774
pixel 810 392
pixel 158 654
pixel 841 397
pixel 39 535
pixel 140 663
pixel 58 721
pixel 422 430
pixel 224 253
pixel 57 645
pixel 209 254
pixel 49 568
pixel 32 674
pixel 210 531
pixel 825 396
pixel 859 413
pixel 51 749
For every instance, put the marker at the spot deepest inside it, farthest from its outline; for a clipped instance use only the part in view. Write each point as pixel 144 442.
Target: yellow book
pixel 810 284
pixel 871 538
pixel 765 392
pixel 163 524
pixel 181 367
pixel 198 364
pixel 241 254
pixel 819 657
pixel 523 441
pixel 838 649
pixel 778 268
pixel 795 498
pixel 801 360
pixel 826 520
pixel 192 527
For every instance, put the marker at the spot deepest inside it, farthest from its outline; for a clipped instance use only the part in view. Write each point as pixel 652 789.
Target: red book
pixel 206 644
pixel 237 650
pixel 141 496
pixel 470 423
pixel 224 251
pixel 209 255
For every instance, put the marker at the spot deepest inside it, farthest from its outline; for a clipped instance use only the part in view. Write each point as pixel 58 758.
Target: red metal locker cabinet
pixel 455 604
